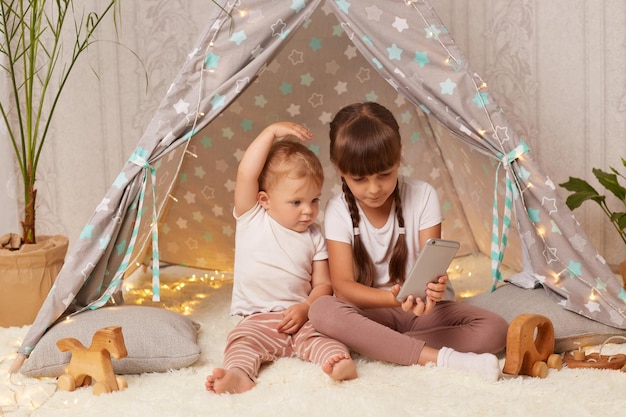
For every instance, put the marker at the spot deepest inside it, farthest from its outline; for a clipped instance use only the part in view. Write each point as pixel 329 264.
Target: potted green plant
pixel 37 63
pixel 583 191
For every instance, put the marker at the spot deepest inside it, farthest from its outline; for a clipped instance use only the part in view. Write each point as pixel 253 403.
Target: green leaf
pixel 619 219
pixel 582 191
pixel 609 181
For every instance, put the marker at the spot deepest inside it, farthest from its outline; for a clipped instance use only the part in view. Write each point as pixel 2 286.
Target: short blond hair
pixel 290 159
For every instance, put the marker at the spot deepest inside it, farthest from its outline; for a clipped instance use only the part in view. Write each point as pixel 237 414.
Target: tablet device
pixel 433 261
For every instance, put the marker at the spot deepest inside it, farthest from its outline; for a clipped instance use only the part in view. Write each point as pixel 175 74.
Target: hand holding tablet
pixel 433 262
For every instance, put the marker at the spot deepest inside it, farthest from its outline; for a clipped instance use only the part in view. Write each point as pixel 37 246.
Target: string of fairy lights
pixel 540 231
pixel 24 394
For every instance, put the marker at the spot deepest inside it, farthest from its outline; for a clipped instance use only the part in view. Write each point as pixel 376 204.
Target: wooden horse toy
pixel 530 347
pixel 94 364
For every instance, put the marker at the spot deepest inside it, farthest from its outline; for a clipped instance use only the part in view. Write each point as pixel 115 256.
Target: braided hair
pixel 365 140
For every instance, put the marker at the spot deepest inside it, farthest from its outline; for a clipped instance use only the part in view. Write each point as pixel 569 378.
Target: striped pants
pixel 255 341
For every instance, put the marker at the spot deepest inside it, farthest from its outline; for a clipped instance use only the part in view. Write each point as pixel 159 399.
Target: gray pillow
pixel 156 340
pixel 571 330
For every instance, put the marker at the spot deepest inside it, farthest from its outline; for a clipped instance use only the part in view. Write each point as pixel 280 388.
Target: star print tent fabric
pixel 264 61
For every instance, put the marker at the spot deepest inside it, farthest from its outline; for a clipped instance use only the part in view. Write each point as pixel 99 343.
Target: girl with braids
pixel 374 230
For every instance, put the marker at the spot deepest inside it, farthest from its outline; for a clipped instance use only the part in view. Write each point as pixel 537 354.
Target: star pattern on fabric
pixel 181 106
pixel 343 5
pixel 230 185
pixel 104 242
pixel 306 79
pixel 286 88
pixel 221 166
pixel 199 172
pixel 218 101
pixel 371 96
pixel 578 242
pixel 400 24
pixel 351 52
pixel 373 13
pixel 87 232
pixel 338 30
pixel 246 125
pixel 260 101
pixel 600 284
pixel 208 192
pixel 217 211
pixel 191 243
pixel 238 37
pixel 211 61
pixel 197 216
pixel 257 51
pixel 296 57
pixel 278 28
pixel 481 100
pixel 550 255
pixel 332 67
pixel 206 141
pixel 447 87
pixel 592 306
pixel 297 5
pixel 432 32
pixel 574 269
pixel 534 215
pixel 315 44
pixel 293 110
pixel 363 75
pixel 228 133
pixel 341 87
pixel 120 247
pixel 325 118
pixel 181 223
pixel 549 204
pixel 394 52
pixel 241 84
pixel 421 58
pixel 501 134
pixel 316 100
pixel 104 205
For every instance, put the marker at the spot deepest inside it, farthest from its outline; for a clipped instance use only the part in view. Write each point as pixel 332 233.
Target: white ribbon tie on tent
pixel 499 241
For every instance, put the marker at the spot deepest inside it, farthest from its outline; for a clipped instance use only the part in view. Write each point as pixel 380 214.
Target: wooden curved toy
pixel 94 364
pixel 530 347
pixel 596 360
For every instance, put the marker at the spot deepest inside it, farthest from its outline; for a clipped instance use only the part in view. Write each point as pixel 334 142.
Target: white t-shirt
pixel 273 264
pixel 420 208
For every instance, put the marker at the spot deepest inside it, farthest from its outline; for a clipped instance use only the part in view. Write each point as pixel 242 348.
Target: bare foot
pixel 340 367
pixel 232 381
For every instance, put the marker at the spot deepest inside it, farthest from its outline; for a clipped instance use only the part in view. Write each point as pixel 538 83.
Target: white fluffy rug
pixel 290 387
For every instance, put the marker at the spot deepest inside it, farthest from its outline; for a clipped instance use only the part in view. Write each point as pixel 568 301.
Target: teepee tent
pixel 262 61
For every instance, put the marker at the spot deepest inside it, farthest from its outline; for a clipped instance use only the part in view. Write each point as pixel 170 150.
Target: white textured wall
pixel 556 67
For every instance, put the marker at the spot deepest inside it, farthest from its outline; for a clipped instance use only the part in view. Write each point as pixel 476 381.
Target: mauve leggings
pixel 396 336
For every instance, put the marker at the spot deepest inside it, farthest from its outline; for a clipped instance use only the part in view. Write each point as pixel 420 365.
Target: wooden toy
pixel 94 364
pixel 530 347
pixel 579 359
